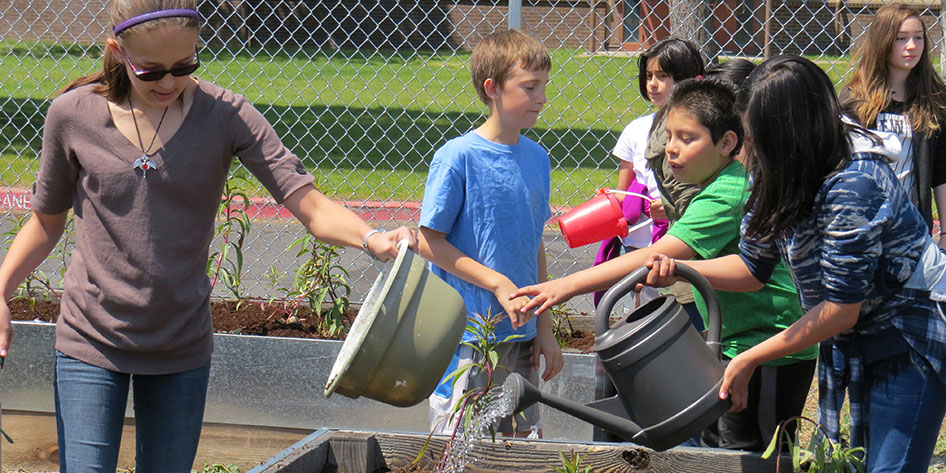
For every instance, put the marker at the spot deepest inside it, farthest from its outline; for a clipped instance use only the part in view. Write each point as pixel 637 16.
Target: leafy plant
pixel 234 228
pixel 215 468
pixel 571 463
pixel 473 402
pixel 218 468
pixel 822 454
pixel 38 286
pixel 485 345
pixel 562 326
pixel 320 281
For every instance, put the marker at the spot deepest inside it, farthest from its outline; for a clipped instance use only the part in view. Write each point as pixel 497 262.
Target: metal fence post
pixel 515 14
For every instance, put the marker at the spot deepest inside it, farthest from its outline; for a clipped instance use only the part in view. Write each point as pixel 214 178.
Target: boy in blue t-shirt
pixel 485 205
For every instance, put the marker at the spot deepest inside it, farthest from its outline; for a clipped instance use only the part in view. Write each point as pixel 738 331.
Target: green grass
pixel 365 123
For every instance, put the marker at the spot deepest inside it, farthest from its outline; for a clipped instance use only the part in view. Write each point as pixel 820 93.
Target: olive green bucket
pixel 405 334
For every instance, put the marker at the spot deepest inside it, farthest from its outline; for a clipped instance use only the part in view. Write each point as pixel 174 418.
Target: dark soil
pixel 256 318
pixel 581 340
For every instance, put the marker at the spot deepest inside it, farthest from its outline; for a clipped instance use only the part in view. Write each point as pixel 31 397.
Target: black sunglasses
pixel 176 71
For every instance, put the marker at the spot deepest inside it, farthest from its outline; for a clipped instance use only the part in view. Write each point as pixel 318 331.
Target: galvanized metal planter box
pixel 277 382
pixel 370 452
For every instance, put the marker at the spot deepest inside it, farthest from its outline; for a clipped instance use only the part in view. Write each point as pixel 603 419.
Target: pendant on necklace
pixel 144 163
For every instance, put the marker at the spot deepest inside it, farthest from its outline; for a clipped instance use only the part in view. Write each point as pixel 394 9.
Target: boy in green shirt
pixel 704 136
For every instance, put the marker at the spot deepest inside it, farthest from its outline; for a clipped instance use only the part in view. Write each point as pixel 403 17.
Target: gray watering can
pixel 666 375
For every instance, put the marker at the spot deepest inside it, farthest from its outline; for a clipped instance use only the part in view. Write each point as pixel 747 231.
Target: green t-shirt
pixel 710 226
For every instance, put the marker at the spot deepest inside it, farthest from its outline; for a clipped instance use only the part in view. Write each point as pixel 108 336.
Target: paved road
pixel 267 243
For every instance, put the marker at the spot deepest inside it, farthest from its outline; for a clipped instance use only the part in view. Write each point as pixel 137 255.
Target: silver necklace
pixel 144 162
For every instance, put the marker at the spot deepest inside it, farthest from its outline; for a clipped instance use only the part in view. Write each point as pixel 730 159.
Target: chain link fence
pixel 366 91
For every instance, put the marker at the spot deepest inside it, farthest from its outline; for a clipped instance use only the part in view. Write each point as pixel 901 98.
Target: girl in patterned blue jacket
pixel 825 200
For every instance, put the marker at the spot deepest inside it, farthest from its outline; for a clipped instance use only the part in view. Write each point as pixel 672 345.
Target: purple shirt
pixel 137 296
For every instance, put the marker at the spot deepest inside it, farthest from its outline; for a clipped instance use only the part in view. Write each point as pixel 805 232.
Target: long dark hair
pixel 113 81
pixel 677 57
pixel 796 139
pixel 735 71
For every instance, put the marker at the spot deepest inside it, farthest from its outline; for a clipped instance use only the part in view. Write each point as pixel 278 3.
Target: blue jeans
pixel 906 411
pixel 90 413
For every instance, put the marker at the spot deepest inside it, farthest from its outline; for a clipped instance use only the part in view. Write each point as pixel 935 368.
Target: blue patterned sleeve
pixel 853 215
pixel 761 258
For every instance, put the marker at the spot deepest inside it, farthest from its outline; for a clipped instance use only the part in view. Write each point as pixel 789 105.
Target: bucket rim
pixel 365 318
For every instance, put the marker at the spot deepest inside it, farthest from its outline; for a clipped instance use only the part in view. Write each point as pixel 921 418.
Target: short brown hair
pixel 496 56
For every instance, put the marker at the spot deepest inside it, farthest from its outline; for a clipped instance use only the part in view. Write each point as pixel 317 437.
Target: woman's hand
pixel 545 295
pixel 736 382
pixel 6 330
pixel 384 244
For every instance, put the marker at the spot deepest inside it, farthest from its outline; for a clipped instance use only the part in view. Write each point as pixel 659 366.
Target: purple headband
pixel 137 20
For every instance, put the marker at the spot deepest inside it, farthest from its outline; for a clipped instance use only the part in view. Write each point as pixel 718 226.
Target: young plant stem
pixel 476 399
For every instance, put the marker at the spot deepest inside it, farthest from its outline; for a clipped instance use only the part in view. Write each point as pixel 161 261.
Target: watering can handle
pixel 626 285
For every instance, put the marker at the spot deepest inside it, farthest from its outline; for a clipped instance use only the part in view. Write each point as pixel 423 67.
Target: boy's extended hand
pixel 545 344
pixel 544 295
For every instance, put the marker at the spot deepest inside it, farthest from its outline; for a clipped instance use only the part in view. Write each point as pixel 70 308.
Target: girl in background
pixel 665 63
pixel 660 67
pixel 140 152
pixel 896 89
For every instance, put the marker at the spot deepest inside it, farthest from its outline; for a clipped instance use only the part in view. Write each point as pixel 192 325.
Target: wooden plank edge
pixel 299 452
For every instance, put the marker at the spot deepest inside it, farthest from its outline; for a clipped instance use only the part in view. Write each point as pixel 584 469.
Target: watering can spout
pixel 526 394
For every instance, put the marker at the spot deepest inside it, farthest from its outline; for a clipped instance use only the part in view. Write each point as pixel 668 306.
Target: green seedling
pixel 485 360
pixel 226 264
pixel 571 463
pixel 320 284
pixel 218 468
pixel 822 454
pixel 30 288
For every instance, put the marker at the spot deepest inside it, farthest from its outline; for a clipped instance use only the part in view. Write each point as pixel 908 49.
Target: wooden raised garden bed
pixel 343 451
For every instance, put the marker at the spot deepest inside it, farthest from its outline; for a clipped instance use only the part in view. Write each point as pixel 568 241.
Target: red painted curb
pixel 261 207
pixel 12 198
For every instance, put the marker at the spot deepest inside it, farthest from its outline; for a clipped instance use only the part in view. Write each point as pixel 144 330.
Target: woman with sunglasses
pixel 140 152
